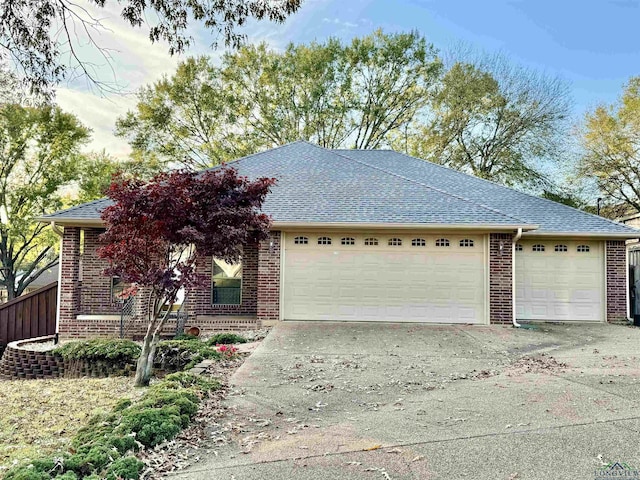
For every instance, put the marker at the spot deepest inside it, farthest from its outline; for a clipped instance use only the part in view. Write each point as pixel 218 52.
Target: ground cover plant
pixel 42 416
pixel 106 446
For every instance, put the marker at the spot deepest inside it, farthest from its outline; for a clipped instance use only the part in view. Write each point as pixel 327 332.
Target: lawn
pixel 40 417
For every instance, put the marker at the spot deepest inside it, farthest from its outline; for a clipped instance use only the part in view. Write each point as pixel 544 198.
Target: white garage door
pixel 560 280
pixel 384 277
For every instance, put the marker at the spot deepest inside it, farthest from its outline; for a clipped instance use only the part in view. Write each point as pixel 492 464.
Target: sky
pixel 591 44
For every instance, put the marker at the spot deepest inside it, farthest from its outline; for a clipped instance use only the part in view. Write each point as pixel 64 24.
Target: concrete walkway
pixel 389 401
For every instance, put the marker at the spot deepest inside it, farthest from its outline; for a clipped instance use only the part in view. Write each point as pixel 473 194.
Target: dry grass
pixel 39 417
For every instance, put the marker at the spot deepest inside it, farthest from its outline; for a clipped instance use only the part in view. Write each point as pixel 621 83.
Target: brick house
pixel 362 235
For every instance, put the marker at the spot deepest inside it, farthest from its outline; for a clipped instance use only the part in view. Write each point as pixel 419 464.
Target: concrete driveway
pixel 390 401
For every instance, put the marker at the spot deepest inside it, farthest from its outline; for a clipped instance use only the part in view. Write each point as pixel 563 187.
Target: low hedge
pixel 106 446
pixel 226 339
pixel 175 355
pixel 100 349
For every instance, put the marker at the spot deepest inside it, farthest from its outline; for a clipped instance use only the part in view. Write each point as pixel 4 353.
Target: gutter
pixel 56 229
pixel 513 277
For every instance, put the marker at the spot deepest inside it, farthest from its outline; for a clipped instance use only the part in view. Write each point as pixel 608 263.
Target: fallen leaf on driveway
pixel 394 450
pixel 375 447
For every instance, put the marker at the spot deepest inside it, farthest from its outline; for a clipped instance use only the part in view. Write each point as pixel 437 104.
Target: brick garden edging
pixel 19 363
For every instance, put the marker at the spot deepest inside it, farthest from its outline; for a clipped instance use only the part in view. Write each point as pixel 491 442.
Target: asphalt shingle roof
pixel 317 185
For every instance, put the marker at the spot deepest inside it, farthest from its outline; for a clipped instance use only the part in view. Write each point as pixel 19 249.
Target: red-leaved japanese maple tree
pixel 156 230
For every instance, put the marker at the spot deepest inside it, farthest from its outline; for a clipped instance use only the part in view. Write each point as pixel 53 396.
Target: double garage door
pixel 385 277
pixel 434 278
pixel 560 280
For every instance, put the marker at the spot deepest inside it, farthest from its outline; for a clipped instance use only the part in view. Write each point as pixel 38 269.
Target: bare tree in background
pixel 494 119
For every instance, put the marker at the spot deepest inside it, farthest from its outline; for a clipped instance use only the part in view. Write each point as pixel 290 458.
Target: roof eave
pixel 72 222
pixel 96 222
pixel 621 235
pixel 402 226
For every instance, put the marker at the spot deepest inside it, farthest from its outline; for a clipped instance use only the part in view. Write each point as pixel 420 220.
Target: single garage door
pixel 384 277
pixel 560 280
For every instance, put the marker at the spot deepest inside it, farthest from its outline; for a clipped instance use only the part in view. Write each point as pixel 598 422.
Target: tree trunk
pixel 144 368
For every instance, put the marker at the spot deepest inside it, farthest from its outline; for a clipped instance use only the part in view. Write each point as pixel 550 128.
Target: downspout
pixel 58 231
pixel 513 276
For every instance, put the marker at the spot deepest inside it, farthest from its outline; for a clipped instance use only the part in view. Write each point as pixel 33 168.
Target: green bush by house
pixel 226 339
pixel 100 349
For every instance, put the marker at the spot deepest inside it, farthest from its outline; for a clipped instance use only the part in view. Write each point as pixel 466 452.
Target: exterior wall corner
pixel 501 278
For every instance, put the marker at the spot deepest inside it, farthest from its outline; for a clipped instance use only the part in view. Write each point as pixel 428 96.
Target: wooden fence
pixel 28 316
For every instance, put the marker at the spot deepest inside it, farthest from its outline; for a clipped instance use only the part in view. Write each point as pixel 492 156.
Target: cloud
pixel 340 22
pixel 99 114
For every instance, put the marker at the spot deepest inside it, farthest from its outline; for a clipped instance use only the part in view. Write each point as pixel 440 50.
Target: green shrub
pixel 226 339
pixel 125 468
pixel 185 337
pixel 96 458
pixel 26 473
pixel 184 399
pixel 100 349
pixel 67 476
pixel 154 425
pixel 179 355
pixel 187 380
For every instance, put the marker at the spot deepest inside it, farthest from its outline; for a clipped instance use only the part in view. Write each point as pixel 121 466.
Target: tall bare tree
pixel 494 119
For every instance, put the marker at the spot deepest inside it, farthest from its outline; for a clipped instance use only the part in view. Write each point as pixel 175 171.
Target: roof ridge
pixel 491 182
pixel 256 154
pixel 459 197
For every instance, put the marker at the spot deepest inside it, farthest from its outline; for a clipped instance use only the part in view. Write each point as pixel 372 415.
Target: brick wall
pixel 95 291
pixel 500 278
pixel 616 253
pixel 69 285
pixel 269 279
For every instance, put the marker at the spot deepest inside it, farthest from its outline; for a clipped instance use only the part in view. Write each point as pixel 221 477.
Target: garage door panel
pixel 560 285
pixel 384 283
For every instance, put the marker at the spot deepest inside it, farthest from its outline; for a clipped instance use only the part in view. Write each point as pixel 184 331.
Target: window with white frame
pixel 538 248
pixel 395 242
pixel 466 242
pixel 371 242
pixel 227 283
pixel 324 240
pixel 583 248
pixel 560 248
pixel 442 242
pixel 418 242
pixel 518 247
pixel 301 240
pixel 348 241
